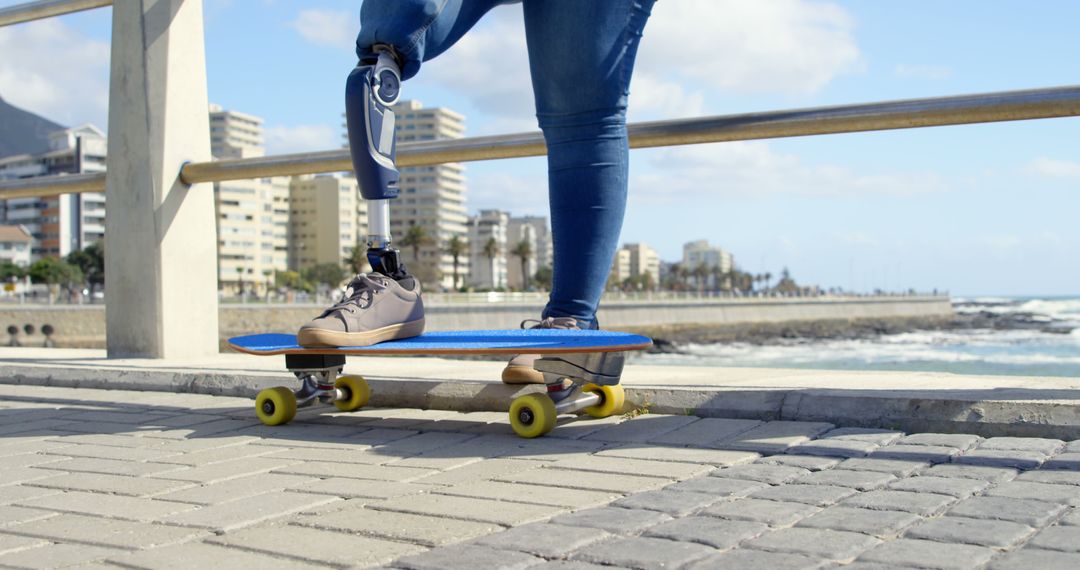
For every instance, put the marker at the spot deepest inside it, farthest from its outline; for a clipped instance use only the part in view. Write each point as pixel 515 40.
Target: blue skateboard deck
pixel 533 341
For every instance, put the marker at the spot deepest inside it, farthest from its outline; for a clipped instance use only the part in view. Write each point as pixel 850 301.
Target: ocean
pixel 1050 350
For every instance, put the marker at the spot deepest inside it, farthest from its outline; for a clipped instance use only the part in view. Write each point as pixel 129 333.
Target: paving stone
pixel 678 503
pixel 1025 511
pixel 354 471
pixel 833 448
pixel 10 543
pixel 952 486
pixel 897 467
pixel 706 431
pixel 532 494
pixel 17 475
pixel 483 471
pixel 711 531
pixel 817 495
pixel 924 504
pixel 549 448
pixel 105 532
pixel 869 435
pixel 202 430
pixel 1072 518
pixel 808 462
pixel 644 552
pixel 1064 461
pixel 112 506
pixel 771 474
pixel 980 532
pixel 18 493
pixel 743 559
pixel 1064 494
pixel 924 453
pixel 1063 538
pixel 226 470
pixel 434 461
pixel 1001 458
pixel 240 488
pixel 581 426
pixel 601 464
pixel 1028 559
pixel 420 529
pixel 29 460
pixel 989 474
pixel 56 555
pixel 861 480
pixel 928 554
pixel 718 486
pixel 113 452
pixel 468 557
pixel 716 457
pixel 30 445
pixel 422 443
pixel 112 467
pixel 250 511
pixel 573 565
pixel 613 519
pixel 114 484
pixel 221 454
pixel 1052 477
pixel 774 437
pixel 297 542
pixel 773 513
pixel 882 524
pixel 468 508
pixel 359 488
pixel 586 480
pixel 1073 446
pixel 642 428
pixel 958 440
pixel 10 516
pixel 815 542
pixel 205 555
pixel 1038 445
pixel 544 539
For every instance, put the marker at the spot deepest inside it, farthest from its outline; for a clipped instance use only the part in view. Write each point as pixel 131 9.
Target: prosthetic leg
pixel 371 89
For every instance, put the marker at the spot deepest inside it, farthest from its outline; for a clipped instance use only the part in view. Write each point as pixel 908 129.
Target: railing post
pixel 160 238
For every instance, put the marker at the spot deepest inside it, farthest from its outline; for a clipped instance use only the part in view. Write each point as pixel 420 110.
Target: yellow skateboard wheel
pixel 357 391
pixel 532 415
pixel 612 399
pixel 275 406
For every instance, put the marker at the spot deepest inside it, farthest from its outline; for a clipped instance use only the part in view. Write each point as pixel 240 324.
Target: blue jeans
pixel 581 57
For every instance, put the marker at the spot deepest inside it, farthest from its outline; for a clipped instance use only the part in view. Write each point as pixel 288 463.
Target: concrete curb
pixel 1002 412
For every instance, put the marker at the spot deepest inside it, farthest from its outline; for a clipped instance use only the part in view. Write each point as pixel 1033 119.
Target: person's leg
pixel 581 56
pixel 417 29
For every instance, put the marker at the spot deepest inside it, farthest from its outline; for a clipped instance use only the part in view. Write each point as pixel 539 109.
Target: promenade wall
pixel 84 326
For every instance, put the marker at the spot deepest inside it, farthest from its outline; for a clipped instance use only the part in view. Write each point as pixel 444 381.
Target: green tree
pixel 292 280
pixel 357 259
pixel 543 277
pixel 701 272
pixel 523 250
pixel 456 247
pixel 329 274
pixel 91 261
pixel 54 272
pixel 415 238
pixel 491 251
pixel 9 271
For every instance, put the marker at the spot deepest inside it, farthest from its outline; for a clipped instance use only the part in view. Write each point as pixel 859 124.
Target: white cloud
pixel 327 28
pixel 755 170
pixel 922 71
pixel 522 192
pixel 301 138
pixel 1055 168
pixel 50 69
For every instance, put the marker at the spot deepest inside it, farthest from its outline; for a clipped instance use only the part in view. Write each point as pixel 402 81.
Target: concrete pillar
pixel 160 237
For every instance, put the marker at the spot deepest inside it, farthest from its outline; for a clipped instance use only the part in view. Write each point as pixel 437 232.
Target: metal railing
pixel 31 11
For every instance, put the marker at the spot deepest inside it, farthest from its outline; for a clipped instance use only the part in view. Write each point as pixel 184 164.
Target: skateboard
pixel 592 360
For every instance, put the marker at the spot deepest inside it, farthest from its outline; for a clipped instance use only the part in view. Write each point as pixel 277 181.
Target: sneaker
pixel 520 368
pixel 375 309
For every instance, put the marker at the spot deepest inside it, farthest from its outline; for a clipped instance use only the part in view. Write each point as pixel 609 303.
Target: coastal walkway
pixel 94 478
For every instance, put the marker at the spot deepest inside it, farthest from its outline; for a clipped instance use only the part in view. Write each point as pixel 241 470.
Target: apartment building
pixel 65 223
pixel 15 244
pixel 643 260
pixel 488 249
pixel 620 267
pixel 328 220
pixel 534 231
pixel 697 253
pixel 252 215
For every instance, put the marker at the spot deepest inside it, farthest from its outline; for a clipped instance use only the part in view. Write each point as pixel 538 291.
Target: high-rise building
pixel 534 231
pixel 488 249
pixel 620 267
pixel 328 220
pixel 65 223
pixel 252 215
pixel 643 261
pixel 715 260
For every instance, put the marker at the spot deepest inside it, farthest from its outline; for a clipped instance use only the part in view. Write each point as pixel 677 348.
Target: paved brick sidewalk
pixel 100 479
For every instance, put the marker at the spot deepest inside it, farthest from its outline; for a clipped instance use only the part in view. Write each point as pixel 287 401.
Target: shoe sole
pixel 521 375
pixel 321 338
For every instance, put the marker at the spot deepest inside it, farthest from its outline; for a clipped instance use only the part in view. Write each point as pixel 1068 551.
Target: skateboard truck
pixel 316 373
pixel 601 368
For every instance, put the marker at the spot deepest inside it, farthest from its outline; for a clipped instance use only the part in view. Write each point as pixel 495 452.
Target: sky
pixel 977 210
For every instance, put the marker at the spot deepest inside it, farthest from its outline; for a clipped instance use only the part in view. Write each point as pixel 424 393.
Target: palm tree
pixel 768 277
pixel 456 247
pixel 416 237
pixel 700 273
pixel 491 251
pixel 523 249
pixel 357 258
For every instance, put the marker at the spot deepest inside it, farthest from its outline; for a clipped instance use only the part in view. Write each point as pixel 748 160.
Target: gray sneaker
pixel 375 308
pixel 520 368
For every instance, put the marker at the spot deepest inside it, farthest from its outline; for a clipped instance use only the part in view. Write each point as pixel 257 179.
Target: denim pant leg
pixel 418 29
pixel 581 57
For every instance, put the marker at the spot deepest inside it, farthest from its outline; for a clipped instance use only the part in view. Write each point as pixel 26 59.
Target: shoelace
pixel 569 323
pixel 354 294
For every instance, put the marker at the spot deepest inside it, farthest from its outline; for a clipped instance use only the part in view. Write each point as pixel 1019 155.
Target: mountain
pixel 22 132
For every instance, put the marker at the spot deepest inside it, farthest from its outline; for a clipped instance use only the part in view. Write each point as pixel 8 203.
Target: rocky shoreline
pixel 669 339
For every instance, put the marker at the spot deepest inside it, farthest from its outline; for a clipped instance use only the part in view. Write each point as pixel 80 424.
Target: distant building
pixel 698 253
pixel 15 245
pixel 534 231
pixel 65 223
pixel 328 220
pixel 488 227
pixel 252 215
pixel 620 267
pixel 643 260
